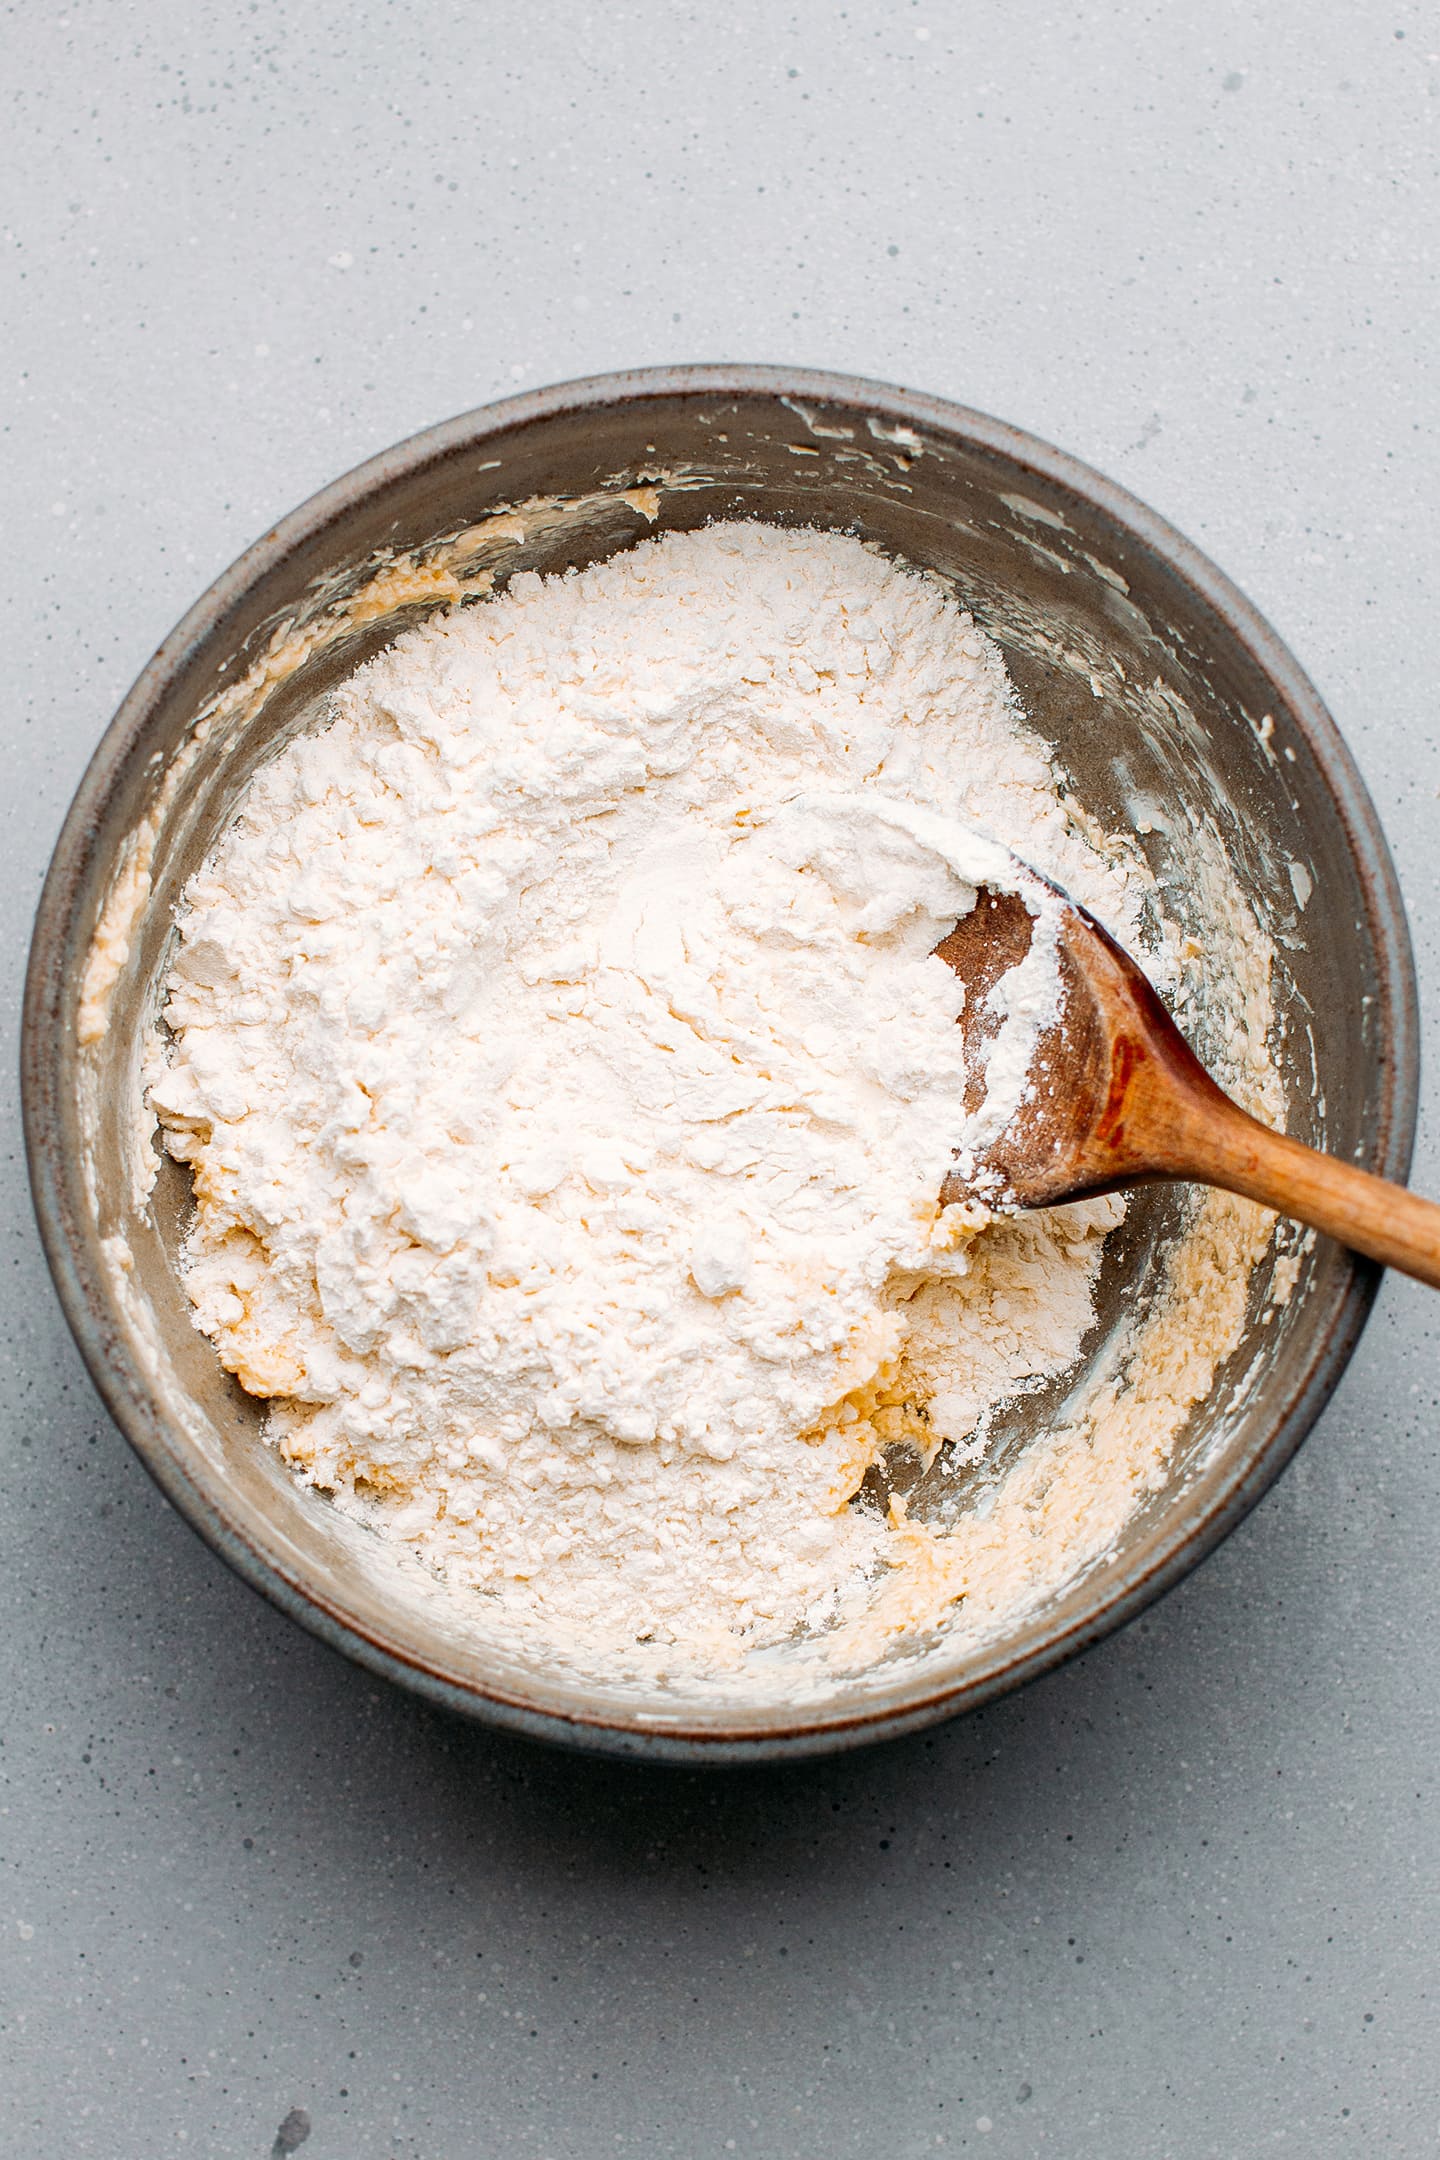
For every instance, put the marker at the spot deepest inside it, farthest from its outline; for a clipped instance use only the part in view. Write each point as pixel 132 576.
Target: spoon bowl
pixel 1117 1097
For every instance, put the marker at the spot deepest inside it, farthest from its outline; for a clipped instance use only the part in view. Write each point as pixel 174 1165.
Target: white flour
pixel 568 1082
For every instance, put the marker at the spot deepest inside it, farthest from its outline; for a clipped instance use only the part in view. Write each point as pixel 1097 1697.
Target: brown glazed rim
pixel 71 1241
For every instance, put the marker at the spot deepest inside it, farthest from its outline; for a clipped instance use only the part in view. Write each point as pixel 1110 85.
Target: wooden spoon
pixel 1119 1098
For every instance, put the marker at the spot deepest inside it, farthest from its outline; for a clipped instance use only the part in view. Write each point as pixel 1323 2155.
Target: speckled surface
pixel 1182 1898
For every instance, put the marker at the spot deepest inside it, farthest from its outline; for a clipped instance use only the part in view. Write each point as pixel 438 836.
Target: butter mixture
pixel 568 1082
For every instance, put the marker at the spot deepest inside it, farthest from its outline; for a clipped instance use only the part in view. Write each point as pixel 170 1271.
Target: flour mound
pixel 568 1081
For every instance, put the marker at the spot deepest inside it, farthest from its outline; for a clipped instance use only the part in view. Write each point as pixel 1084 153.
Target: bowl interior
pixel 1202 723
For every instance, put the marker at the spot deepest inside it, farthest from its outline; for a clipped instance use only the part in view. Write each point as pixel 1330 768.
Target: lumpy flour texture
pixel 568 1081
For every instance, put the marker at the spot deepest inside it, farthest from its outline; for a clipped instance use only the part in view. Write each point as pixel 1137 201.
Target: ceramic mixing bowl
pixel 1205 715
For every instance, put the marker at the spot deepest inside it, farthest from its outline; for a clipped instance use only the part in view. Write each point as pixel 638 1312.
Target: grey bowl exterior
pixel 383 501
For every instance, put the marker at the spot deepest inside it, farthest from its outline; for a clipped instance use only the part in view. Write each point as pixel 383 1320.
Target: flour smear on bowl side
pixel 567 1081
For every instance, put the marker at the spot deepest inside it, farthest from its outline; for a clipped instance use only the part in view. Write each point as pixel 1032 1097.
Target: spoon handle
pixel 1367 1213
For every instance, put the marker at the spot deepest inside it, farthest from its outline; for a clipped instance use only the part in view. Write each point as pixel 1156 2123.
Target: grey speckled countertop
pixel 1179 1899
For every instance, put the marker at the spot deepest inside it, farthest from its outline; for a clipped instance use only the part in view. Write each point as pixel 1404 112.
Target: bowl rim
pixel 70 1239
